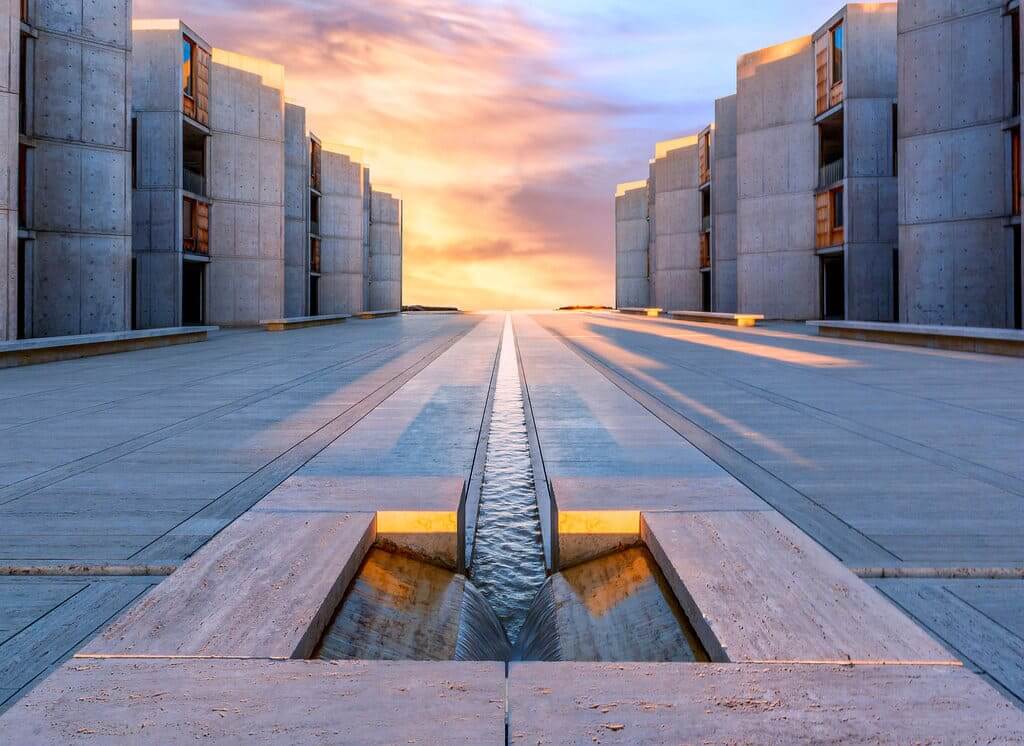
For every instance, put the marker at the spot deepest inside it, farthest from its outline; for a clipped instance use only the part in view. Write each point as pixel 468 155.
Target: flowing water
pixel 508 558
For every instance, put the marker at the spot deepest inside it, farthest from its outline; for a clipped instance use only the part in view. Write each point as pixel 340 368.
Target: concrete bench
pixel 745 320
pixel 53 349
pixel 652 312
pixel 378 314
pixel 302 322
pixel 1009 342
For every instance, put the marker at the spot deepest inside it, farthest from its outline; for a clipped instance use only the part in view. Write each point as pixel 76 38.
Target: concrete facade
pixel 160 124
pixel 723 206
pixel 676 265
pixel 343 280
pixel 860 118
pixel 777 270
pixel 957 115
pixel 297 205
pixel 385 254
pixel 247 123
pixel 9 84
pixel 632 239
pixel 77 156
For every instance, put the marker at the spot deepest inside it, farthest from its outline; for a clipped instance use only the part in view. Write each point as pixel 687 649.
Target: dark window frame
pixel 837 35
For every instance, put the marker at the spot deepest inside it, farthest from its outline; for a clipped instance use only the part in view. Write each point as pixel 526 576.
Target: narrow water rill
pixel 508 557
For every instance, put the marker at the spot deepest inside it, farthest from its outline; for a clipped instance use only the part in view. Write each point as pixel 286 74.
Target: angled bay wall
pixel 385 252
pixel 954 80
pixel 677 243
pixel 343 280
pixel 246 274
pixel 79 183
pixel 777 269
pixel 10 18
pixel 723 205
pixel 296 207
pixel 632 237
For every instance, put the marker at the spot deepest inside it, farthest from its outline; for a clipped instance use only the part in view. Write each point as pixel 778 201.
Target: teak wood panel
pixel 704 158
pixel 197 106
pixel 826 233
pixel 822 47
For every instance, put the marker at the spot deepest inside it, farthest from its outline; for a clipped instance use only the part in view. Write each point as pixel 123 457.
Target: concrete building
pixel 302 163
pixel 856 196
pixel 676 254
pixel 959 160
pixel 777 269
pixel 632 239
pixel 385 255
pixel 343 258
pixel 723 206
pixel 367 220
pixel 246 282
pixel 171 105
pixel 67 259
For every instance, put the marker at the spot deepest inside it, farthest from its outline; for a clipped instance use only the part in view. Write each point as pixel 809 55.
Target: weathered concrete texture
pixel 296 212
pixel 80 168
pixel 706 703
pixel 632 238
pixel 343 279
pixel 777 270
pixel 246 276
pixel 223 701
pixel 367 220
pixel 723 205
pixel 385 252
pixel 10 60
pixel 157 229
pixel 677 263
pixel 870 89
pixel 954 87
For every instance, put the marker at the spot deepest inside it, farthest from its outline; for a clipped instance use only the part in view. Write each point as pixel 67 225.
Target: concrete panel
pixel 676 266
pixel 9 107
pixel 343 283
pixel 723 206
pixel 385 258
pixel 632 238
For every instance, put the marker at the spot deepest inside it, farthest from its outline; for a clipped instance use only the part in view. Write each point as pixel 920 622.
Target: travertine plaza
pixel 282 509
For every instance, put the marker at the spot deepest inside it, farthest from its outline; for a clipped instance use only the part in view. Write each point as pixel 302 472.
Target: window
pixel 837 54
pixel 188 224
pixel 1015 80
pixel 188 49
pixel 837 209
pixel 135 153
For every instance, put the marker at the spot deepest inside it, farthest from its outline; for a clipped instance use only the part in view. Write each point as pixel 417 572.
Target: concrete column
pixel 652 232
pixel 385 252
pixel 367 220
pixel 677 208
pixel 723 205
pixel 80 185
pixel 246 281
pixel 632 237
pixel 776 268
pixel 343 282
pixel 9 76
pixel 954 200
pixel 296 213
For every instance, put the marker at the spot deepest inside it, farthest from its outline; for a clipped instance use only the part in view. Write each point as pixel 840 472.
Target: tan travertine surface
pixel 754 704
pixel 271 702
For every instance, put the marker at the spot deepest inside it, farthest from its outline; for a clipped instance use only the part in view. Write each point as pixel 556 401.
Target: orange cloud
pixel 464 109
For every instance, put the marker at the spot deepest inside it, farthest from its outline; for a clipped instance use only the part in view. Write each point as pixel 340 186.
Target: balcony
pixel 705 224
pixel 193 182
pixel 705 251
pixel 314 256
pixel 831 173
pixel 314 227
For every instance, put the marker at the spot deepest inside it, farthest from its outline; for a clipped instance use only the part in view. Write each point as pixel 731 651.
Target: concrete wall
pixel 385 252
pixel 10 17
pixel 80 191
pixel 296 213
pixel 723 205
pixel 246 274
pixel 652 229
pixel 156 199
pixel 777 269
pixel 342 281
pixel 871 185
pixel 955 253
pixel 367 220
pixel 632 236
pixel 677 267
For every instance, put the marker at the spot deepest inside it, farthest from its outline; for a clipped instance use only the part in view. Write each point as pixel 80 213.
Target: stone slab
pixel 745 320
pixel 265 587
pixel 378 314
pixel 231 701
pixel 757 589
pixel 303 322
pixel 1009 342
pixel 651 312
pixel 751 704
pixel 54 349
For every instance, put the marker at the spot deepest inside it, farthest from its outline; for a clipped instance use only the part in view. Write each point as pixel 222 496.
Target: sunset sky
pixel 505 125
